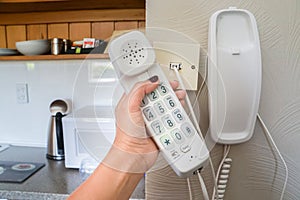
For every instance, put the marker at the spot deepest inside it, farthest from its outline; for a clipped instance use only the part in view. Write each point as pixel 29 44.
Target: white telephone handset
pixel 167 122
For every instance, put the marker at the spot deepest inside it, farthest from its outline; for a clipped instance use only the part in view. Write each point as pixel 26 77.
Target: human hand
pixel 133 150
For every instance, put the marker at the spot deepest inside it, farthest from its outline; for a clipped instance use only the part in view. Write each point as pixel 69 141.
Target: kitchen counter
pixel 53 181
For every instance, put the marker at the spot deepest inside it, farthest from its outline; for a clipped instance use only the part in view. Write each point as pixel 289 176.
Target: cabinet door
pixel 102 30
pixel 142 24
pixel 60 30
pixel 2 37
pixel 15 34
pixel 126 25
pixel 37 32
pixel 78 31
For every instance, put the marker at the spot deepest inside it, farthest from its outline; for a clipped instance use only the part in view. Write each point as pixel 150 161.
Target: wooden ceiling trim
pixel 40 6
pixel 72 16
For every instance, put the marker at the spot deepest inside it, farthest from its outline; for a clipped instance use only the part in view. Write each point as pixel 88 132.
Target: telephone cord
pixel 222 175
pixel 195 122
pixel 267 132
pixel 190 188
pixel 203 187
pixel 203 82
pixel 226 162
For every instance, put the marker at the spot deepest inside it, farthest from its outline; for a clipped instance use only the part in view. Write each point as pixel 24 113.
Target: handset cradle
pixel 167 123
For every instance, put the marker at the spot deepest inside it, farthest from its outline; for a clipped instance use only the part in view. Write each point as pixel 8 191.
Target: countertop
pixel 53 181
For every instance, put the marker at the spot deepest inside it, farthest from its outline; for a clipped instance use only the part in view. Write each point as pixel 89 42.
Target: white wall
pixel 27 124
pixel 257 172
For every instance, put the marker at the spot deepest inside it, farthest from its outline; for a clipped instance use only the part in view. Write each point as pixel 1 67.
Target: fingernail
pixel 153 79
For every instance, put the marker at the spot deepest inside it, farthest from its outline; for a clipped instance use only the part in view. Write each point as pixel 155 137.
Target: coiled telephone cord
pixel 222 175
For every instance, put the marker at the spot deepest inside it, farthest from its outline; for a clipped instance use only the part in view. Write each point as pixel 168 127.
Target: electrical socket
pixel 22 93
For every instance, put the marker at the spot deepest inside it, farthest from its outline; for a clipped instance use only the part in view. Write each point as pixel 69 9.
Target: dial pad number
pixel 177 136
pixel 153 95
pixel 149 113
pixel 144 102
pixel 166 119
pixel 169 101
pixel 160 108
pixel 162 89
pixel 157 127
pixel 178 116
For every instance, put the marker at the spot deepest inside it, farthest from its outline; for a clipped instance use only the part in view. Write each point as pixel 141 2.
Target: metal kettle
pixel 55 147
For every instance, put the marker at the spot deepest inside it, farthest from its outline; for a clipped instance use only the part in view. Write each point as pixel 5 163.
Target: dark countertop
pixel 53 181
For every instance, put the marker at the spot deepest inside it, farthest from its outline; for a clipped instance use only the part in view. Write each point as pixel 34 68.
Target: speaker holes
pixel 133 53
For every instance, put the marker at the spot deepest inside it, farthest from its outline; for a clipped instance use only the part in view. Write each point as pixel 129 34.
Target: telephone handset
pixel 167 123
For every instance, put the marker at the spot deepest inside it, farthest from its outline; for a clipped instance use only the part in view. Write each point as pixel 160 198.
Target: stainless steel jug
pixel 55 148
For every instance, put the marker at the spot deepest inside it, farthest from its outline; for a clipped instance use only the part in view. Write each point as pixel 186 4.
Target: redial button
pixel 185 148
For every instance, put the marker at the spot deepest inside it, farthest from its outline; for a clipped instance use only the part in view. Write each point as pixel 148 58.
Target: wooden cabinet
pixel 58 30
pixel 15 33
pixel 19 6
pixel 2 37
pixel 72 20
pixel 73 25
pixel 36 31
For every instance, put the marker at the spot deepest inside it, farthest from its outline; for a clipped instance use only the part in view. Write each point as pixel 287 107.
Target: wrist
pixel 129 162
pixel 131 154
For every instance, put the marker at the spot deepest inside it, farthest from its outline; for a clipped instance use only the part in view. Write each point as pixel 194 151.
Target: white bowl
pixel 33 47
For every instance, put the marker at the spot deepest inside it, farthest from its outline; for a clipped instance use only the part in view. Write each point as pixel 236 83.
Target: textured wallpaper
pixel 257 171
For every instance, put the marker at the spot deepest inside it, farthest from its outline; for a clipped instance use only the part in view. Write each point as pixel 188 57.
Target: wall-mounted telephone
pixel 234 75
pixel 167 122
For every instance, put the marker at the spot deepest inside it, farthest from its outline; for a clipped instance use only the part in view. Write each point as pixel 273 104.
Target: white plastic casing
pixel 130 54
pixel 134 60
pixel 234 75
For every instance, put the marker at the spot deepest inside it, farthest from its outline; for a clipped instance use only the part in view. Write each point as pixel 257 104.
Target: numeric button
pixel 157 127
pixel 144 102
pixel 153 95
pixel 170 102
pixel 149 113
pixel 168 121
pixel 178 116
pixel 160 108
pixel 162 89
pixel 177 136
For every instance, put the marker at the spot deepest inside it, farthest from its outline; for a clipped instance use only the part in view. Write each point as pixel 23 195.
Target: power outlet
pixel 22 93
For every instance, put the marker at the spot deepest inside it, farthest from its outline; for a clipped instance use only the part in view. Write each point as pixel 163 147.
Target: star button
pixel 167 142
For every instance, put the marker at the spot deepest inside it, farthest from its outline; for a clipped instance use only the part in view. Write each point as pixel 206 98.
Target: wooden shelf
pixel 55 57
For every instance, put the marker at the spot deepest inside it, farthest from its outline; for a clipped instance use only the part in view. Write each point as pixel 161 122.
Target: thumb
pixel 140 90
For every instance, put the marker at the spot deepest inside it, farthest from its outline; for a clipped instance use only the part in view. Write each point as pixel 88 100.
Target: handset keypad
pixel 160 108
pixel 153 95
pixel 157 127
pixel 162 89
pixel 149 113
pixel 144 102
pixel 167 119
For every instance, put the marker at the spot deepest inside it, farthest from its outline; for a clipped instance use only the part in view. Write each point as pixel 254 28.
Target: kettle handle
pixel 59 133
